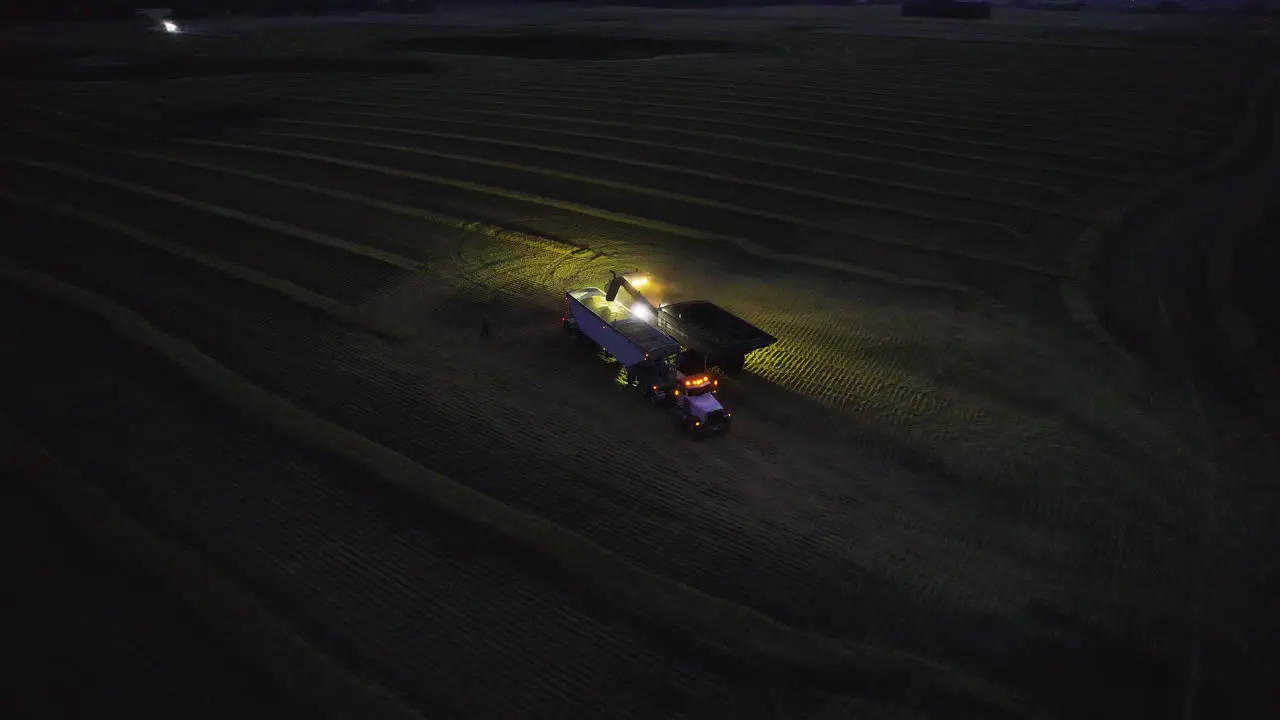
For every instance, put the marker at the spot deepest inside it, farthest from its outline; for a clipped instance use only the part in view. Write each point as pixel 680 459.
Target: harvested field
pixel 248 307
pixel 125 651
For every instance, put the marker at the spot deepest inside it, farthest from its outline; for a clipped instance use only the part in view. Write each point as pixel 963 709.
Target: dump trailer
pixel 710 335
pixel 652 358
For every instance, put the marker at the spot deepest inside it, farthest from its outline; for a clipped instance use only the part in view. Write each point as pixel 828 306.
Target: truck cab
pixel 695 398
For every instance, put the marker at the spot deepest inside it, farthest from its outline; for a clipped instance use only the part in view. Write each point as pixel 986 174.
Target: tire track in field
pixel 584 108
pixel 1014 126
pixel 994 260
pixel 853 202
pixel 558 95
pixel 653 596
pixel 327 305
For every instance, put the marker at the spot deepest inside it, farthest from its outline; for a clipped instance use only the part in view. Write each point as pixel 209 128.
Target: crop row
pixel 85 609
pixel 938 171
pixel 321 199
pixel 380 406
pixel 922 149
pixel 390 402
pixel 1058 151
pixel 389 406
pixel 854 192
pixel 913 163
pixel 949 82
pixel 904 259
pixel 945 99
pixel 666 195
pixel 366 580
pixel 901 263
pixel 1013 127
pixel 345 271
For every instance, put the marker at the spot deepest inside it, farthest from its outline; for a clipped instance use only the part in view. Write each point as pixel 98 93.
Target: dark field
pixel 246 308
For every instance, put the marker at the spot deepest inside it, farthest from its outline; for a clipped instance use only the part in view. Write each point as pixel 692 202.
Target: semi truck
pixel 711 336
pixel 650 357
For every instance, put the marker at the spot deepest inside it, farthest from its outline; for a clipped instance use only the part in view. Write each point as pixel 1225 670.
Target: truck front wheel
pixel 690 426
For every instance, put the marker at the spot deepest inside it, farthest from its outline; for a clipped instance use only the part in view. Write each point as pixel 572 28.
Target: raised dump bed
pixel 712 334
pixel 612 326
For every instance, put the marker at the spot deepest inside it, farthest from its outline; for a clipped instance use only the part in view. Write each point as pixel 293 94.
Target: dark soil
pixel 87 637
pixel 1254 282
pixel 16 65
pixel 565 47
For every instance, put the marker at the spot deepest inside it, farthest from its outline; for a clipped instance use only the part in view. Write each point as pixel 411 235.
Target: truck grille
pixel 715 417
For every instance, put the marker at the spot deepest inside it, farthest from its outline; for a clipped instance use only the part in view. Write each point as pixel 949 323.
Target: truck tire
pixel 689 427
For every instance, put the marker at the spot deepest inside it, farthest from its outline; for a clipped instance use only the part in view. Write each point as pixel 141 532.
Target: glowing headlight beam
pixel 170 26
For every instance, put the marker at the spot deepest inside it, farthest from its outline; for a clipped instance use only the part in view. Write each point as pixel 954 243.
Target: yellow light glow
pixel 640 281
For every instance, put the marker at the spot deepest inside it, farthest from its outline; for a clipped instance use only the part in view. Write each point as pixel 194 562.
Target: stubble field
pixel 938 476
